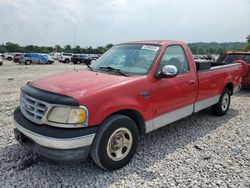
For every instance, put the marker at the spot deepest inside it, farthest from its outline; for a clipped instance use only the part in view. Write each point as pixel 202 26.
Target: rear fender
pixel 245 67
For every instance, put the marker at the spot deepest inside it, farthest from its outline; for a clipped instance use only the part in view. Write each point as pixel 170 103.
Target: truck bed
pixel 203 66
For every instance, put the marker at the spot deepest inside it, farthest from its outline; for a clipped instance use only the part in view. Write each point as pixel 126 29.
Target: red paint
pixel 104 94
pixel 245 72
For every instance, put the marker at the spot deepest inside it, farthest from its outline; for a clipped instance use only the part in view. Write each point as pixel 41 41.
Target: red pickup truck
pixel 133 89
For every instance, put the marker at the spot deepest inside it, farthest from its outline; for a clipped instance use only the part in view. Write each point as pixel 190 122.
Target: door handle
pixel 145 94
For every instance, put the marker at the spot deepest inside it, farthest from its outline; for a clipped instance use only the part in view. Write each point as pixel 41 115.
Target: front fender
pixel 119 97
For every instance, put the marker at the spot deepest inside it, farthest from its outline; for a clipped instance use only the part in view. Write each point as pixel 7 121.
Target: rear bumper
pixel 54 143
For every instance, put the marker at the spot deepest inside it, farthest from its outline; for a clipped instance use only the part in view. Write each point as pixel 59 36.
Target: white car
pixel 65 57
pixel 55 55
pixel 9 56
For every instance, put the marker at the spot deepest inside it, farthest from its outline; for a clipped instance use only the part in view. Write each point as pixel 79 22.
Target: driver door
pixel 173 98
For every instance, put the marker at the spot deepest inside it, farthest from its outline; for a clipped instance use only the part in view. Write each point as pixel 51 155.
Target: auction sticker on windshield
pixel 150 47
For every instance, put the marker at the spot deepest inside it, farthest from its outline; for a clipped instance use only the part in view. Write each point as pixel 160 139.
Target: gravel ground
pixel 198 151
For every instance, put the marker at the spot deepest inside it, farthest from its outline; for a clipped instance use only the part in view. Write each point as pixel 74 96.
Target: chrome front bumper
pixel 56 143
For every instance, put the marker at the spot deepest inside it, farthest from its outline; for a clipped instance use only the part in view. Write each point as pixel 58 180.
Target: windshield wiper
pixel 114 70
pixel 90 68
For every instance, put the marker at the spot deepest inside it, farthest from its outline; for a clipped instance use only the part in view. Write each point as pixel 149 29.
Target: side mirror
pixel 168 71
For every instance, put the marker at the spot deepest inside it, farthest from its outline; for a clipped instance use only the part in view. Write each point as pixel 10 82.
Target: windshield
pixel 130 59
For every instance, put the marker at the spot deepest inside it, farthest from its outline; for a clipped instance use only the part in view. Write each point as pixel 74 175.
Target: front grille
pixel 33 109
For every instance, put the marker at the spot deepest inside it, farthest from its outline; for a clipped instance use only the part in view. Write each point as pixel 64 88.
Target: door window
pixel 174 55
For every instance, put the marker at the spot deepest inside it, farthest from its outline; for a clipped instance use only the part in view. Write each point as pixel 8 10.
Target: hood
pixel 78 84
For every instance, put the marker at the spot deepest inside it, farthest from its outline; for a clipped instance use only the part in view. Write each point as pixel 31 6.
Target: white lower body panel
pixel 180 113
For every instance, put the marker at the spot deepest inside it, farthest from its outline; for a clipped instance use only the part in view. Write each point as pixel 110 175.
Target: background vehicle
pixel 55 55
pixel 91 57
pixel 29 58
pixel 132 89
pixel 65 57
pixel 78 58
pixel 205 58
pixel 1 61
pixel 9 56
pixel 84 58
pixel 231 56
pixel 17 57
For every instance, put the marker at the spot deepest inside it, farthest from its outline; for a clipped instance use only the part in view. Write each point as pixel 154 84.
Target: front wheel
pixel 222 106
pixel 28 62
pixel 115 143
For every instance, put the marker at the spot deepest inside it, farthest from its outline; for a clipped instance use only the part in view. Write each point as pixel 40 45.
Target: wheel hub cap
pixel 119 144
pixel 225 102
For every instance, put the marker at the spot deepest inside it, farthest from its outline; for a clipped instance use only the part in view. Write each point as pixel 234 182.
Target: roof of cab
pixel 156 42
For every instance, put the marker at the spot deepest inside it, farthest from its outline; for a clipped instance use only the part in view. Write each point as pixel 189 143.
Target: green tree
pixel 108 46
pixel 100 50
pixel 248 39
pixel 3 48
pixel 68 48
pixel 248 43
pixel 89 50
pixel 12 47
pixel 31 48
pixel 77 49
pixel 58 48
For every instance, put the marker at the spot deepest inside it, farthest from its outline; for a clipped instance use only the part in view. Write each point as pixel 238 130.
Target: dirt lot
pixel 198 151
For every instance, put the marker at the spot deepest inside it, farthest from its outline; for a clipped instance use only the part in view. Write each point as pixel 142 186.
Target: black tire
pixel 28 62
pixel 67 61
pixel 9 59
pixel 101 153
pixel 222 106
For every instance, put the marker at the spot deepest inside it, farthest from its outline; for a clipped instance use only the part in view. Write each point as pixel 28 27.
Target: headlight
pixel 68 115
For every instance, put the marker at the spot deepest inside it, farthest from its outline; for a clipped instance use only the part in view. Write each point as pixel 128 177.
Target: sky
pixel 100 22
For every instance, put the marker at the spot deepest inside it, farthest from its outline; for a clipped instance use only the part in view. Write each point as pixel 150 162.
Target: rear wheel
pixel 28 62
pixel 9 59
pixel 222 106
pixel 115 143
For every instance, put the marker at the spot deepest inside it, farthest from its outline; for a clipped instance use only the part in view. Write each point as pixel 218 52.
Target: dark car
pixel 79 58
pixel 231 56
pixel 84 58
pixel 91 57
